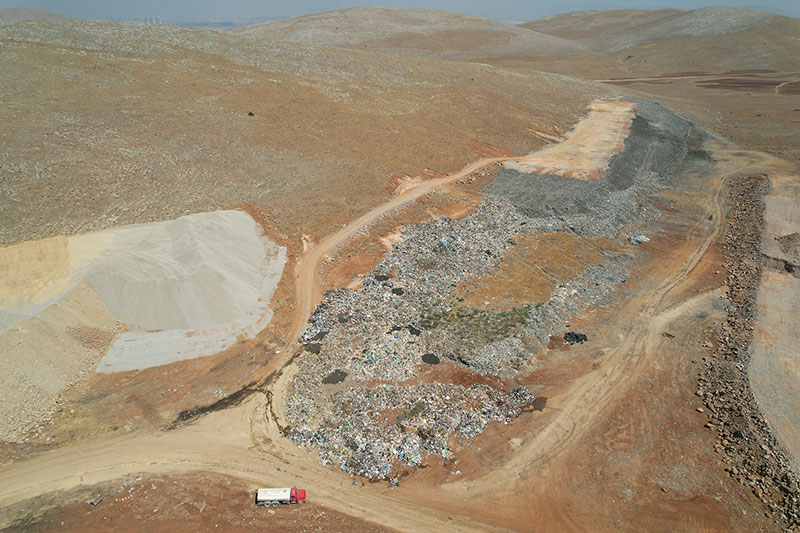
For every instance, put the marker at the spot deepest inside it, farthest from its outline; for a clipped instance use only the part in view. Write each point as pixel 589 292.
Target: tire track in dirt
pixel 246 441
pixel 593 394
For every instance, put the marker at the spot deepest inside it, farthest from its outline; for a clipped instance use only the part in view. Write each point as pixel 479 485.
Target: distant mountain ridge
pixel 419 32
pixel 711 38
pixel 615 30
pixel 598 23
pixel 30 13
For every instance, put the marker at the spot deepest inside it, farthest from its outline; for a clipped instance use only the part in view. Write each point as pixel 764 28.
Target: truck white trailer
pixel 269 497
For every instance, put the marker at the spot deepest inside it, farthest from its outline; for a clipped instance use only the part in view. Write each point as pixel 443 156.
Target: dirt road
pixel 242 442
pixel 236 442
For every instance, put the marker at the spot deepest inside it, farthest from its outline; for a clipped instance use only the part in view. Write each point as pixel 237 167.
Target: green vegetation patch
pixel 482 325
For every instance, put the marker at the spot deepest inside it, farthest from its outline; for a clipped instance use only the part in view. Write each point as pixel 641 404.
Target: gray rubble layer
pixel 654 149
pixel 364 348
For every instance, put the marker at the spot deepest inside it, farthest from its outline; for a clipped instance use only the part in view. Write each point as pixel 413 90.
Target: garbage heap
pixel 369 430
pixel 358 395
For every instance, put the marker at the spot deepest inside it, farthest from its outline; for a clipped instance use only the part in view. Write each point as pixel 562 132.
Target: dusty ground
pixel 649 467
pixel 591 144
pixel 197 502
pixel 616 442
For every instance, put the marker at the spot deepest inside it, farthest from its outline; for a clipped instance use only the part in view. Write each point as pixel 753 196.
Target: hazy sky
pixel 505 10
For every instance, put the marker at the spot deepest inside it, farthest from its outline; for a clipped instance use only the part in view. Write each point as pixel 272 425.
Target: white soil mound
pixel 182 289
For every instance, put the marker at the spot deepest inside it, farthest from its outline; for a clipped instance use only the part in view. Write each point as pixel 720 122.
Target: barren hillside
pixel 598 23
pixel 417 32
pixel 735 71
pixel 98 118
pixel 712 38
pixel 106 124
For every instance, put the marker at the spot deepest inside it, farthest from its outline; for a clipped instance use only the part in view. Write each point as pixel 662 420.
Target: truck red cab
pixel 298 495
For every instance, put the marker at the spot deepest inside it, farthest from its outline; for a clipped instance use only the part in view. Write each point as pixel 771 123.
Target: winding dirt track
pixel 243 442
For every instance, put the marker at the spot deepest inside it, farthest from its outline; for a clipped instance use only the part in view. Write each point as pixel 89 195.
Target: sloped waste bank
pixel 654 149
pixel 384 410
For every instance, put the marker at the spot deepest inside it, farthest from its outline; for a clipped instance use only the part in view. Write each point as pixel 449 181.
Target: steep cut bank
pixel 749 449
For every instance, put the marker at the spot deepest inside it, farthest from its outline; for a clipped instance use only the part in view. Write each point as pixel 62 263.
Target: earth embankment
pixel 653 149
pixel 128 298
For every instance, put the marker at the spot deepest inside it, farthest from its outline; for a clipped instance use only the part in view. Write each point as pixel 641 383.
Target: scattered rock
pixel 430 359
pixel 573 337
pixel 313 347
pixel 334 377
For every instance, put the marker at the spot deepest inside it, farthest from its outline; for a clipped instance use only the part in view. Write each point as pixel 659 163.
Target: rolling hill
pixel 733 70
pixel 385 256
pixel 654 42
pixel 598 23
pixel 30 13
pixel 417 32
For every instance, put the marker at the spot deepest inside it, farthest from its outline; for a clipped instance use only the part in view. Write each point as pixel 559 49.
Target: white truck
pixel 270 497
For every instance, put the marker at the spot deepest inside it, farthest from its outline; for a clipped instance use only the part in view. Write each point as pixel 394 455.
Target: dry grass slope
pixel 100 118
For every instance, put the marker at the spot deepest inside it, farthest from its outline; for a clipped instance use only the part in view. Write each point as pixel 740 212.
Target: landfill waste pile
pixel 362 395
pixel 654 149
pixel 404 318
pixel 368 430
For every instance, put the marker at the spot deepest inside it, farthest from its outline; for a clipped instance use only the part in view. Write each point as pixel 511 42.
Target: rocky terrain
pixel 750 451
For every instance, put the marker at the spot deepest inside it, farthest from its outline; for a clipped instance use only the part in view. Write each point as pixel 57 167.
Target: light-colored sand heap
pixel 129 298
pixel 586 151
